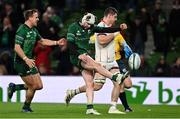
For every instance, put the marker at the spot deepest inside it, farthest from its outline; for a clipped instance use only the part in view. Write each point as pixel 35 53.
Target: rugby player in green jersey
pixel 25 40
pixel 81 55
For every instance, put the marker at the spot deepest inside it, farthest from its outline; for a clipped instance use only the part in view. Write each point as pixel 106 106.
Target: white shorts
pixel 110 65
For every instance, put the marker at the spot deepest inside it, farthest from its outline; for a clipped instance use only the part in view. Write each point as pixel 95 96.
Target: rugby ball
pixel 134 61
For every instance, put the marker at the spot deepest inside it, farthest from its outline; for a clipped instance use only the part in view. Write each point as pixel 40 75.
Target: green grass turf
pixel 55 110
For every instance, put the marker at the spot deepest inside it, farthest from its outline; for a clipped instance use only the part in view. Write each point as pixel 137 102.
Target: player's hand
pixel 123 26
pixel 30 62
pixel 61 41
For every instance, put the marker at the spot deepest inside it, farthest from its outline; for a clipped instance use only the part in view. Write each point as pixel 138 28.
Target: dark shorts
pixel 76 62
pixel 23 69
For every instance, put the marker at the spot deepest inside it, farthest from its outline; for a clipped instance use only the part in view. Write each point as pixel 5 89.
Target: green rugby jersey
pixel 79 38
pixel 26 37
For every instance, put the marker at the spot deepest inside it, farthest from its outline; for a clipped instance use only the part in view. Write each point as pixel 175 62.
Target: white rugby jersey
pixel 104 54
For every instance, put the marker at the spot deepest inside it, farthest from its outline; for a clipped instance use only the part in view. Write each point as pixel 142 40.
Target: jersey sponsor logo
pixel 31 35
pixel 28 35
pixel 78 33
pixel 28 71
pixel 89 31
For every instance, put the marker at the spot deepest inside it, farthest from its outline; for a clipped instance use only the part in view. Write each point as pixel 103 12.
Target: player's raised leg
pixel 89 63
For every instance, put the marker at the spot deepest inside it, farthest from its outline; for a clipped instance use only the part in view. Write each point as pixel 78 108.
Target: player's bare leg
pixel 126 84
pixel 88 78
pixel 114 97
pixel 70 93
pixel 89 64
pixel 33 83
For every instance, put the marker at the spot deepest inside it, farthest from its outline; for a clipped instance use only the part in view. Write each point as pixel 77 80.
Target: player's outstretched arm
pixel 98 29
pixel 48 42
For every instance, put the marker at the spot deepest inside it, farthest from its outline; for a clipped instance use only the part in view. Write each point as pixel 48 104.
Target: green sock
pixel 20 87
pixel 90 106
pixel 26 105
pixel 114 77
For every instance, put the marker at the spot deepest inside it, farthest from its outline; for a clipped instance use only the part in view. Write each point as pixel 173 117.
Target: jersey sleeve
pixel 128 51
pixel 98 29
pixel 71 33
pixel 20 36
pixel 101 25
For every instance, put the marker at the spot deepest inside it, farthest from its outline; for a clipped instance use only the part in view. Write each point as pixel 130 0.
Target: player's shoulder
pixel 102 24
pixel 119 36
pixel 22 28
pixel 73 27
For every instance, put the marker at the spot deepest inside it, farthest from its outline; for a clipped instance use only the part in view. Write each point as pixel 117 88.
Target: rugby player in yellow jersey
pixel 122 46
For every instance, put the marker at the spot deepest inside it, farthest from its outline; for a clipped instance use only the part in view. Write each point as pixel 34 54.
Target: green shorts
pixel 23 69
pixel 76 62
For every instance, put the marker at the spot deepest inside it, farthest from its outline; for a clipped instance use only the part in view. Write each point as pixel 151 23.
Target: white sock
pixel 77 91
pixel 113 104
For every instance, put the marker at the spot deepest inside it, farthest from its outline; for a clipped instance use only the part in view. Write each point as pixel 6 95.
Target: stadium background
pixel 160 58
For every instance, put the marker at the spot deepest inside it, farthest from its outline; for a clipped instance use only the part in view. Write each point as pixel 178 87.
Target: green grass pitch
pixel 56 110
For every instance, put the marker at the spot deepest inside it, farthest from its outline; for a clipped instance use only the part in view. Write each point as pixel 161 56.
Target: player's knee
pixel 90 85
pixel 38 87
pixel 128 83
pixel 98 86
pixel 128 86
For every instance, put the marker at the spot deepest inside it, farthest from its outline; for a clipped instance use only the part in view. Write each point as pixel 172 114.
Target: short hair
pixel 110 10
pixel 29 13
